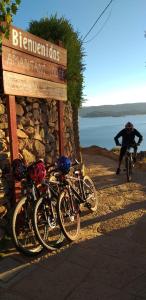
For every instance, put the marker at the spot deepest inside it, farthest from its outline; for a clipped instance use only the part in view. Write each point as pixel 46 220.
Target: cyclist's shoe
pixel 118 171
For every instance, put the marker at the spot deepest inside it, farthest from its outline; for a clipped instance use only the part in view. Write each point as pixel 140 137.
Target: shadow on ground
pixel 110 266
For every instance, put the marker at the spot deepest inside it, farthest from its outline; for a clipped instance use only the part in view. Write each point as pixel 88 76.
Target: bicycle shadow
pixel 116 258
pixel 90 253
pixel 132 207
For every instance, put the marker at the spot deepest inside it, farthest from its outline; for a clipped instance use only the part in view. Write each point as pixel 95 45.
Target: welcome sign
pixel 28 58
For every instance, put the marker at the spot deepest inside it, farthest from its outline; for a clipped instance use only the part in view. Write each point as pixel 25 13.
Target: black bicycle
pixel 47 226
pixel 79 190
pixel 23 232
pixel 129 162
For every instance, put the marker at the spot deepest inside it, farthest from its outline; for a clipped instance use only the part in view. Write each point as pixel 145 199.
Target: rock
pixel 42 133
pixel 3 118
pixel 19 110
pixel 2 134
pixel 36 114
pixel 30 131
pixel 39 148
pixel 21 144
pixel 20 126
pixel 3 146
pixel 2 109
pixel 29 145
pixel 28 157
pixel 29 115
pixel 28 108
pixel 37 137
pixel 3 125
pixel 30 100
pixel 21 134
pixel 35 105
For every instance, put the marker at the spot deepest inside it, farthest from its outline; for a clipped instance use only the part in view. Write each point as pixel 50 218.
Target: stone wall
pixel 37 123
pixel 38 136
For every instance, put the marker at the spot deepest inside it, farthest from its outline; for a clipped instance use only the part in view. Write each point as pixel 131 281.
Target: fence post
pixel 12 125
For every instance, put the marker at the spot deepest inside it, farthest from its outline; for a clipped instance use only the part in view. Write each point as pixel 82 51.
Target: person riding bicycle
pixel 128 135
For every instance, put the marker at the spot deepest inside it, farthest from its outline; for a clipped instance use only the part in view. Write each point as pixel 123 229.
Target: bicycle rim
pixel 69 216
pixel 90 193
pixel 22 229
pixel 46 224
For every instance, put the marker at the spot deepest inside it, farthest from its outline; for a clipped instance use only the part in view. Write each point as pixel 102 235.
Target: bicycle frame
pixel 129 162
pixel 79 195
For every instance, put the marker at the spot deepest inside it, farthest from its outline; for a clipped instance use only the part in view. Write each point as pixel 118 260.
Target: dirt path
pixel 108 262
pixel 122 205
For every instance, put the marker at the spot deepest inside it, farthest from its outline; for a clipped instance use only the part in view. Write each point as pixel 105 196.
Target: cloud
pixel 131 94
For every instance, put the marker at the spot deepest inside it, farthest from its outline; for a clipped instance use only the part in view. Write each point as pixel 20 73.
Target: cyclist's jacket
pixel 128 137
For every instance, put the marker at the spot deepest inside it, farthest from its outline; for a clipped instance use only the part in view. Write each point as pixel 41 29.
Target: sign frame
pixel 19 44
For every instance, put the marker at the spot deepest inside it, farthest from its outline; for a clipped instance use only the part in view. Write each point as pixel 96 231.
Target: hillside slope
pixel 113 110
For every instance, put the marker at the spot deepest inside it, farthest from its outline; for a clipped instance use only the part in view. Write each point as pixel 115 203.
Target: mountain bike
pixel 129 163
pixel 22 221
pixel 78 190
pixel 46 221
pixel 23 231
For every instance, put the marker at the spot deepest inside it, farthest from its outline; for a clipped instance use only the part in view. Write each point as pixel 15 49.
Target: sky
pixel 115 49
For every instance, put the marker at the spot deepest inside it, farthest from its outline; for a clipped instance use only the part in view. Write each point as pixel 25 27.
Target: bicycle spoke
pixel 46 224
pixel 90 193
pixel 22 228
pixel 69 215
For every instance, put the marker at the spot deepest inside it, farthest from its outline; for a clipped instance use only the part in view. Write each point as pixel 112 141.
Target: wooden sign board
pixel 22 85
pixel 33 45
pixel 33 67
pixel 22 63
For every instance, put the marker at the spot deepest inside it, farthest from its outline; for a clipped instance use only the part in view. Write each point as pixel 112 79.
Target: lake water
pixel 101 131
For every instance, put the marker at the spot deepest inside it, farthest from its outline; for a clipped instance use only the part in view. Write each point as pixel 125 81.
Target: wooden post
pixel 12 125
pixel 61 126
pixel 11 108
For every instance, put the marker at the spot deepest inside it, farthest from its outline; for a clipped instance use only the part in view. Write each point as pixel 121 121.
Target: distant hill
pixel 113 110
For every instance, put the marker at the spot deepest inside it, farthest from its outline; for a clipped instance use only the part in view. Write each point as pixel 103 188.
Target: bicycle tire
pixel 48 231
pixel 128 164
pixel 90 194
pixel 69 219
pixel 22 228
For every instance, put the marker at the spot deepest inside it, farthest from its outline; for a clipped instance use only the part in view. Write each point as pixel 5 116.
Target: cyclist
pixel 128 135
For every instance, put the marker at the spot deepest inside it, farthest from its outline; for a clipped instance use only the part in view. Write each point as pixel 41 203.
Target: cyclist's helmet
pixel 129 126
pixel 18 169
pixel 37 172
pixel 63 164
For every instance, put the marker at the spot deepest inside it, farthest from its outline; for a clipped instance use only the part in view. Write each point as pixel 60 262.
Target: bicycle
pixel 23 231
pixel 22 221
pixel 46 222
pixel 79 189
pixel 129 163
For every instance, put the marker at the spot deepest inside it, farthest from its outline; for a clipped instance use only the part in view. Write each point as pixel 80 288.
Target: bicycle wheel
pixel 46 224
pixel 69 215
pixel 90 193
pixel 128 164
pixel 22 228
